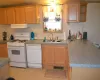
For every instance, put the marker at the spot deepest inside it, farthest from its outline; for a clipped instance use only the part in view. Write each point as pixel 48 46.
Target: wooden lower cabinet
pixel 60 55
pixel 48 55
pixel 54 56
pixel 3 50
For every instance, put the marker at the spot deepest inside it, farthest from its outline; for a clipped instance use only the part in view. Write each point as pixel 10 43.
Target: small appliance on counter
pixel 4 36
pixel 84 35
pixel 11 37
pixel 32 36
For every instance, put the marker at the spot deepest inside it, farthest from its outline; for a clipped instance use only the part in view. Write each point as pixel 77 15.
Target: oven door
pixel 17 54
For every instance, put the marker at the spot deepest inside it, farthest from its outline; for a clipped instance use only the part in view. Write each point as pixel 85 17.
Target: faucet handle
pixel 56 38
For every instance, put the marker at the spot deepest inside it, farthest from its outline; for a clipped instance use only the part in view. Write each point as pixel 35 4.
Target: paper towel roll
pixel 64 33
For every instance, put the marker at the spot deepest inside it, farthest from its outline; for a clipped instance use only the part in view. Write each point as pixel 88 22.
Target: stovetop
pixel 15 43
pixel 19 41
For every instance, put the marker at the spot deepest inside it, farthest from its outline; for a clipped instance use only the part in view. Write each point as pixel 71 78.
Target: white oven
pixel 17 56
pixel 16 50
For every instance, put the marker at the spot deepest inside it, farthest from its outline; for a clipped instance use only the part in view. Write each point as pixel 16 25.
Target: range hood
pixel 18 25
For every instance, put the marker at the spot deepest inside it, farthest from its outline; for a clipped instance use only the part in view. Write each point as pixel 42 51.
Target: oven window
pixel 16 52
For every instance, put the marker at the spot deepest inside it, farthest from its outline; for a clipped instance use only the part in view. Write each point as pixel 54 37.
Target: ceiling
pixel 14 2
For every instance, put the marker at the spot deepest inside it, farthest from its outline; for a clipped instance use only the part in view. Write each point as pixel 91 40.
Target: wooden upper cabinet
pixel 55 55
pixel 83 12
pixel 3 50
pixel 20 15
pixel 3 19
pixel 30 14
pixel 38 13
pixel 73 12
pixel 10 13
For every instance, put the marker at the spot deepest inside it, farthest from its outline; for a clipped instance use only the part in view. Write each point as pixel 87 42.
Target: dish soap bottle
pixel 11 37
pixel 32 35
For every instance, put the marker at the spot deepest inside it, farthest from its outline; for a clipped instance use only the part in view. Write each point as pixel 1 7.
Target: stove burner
pixel 20 41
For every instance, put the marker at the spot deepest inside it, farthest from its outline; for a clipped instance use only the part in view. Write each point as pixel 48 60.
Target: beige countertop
pixel 3 42
pixel 83 54
pixel 40 41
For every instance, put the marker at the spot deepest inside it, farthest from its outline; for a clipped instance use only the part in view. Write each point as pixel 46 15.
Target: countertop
pixel 83 54
pixel 3 61
pixel 40 41
pixel 3 42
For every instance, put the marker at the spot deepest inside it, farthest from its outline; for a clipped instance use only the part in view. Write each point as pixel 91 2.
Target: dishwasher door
pixel 34 56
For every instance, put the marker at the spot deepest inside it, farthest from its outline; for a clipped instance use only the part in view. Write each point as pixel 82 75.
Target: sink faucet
pixel 51 36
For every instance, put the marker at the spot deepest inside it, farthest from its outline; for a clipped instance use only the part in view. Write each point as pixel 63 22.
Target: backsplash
pixel 76 27
pixel 7 29
pixel 36 28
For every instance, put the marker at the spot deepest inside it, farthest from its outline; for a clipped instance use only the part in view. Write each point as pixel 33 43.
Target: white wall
pixel 92 26
pixel 75 27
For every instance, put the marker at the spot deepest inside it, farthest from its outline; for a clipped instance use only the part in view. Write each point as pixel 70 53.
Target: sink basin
pixel 53 41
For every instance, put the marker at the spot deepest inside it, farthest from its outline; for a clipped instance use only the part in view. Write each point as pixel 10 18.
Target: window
pixel 52 18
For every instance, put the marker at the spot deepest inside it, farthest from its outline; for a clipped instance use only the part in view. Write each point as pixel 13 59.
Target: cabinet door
pixel 83 11
pixel 73 12
pixel 10 15
pixel 60 55
pixel 48 55
pixel 3 50
pixel 3 16
pixel 30 14
pixel 38 12
pixel 20 15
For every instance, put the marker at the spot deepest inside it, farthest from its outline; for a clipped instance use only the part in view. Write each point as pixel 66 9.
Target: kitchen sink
pixel 53 41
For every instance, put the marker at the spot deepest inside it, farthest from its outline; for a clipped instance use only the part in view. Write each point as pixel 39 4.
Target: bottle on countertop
pixel 11 37
pixel 4 35
pixel 44 40
pixel 32 35
pixel 79 35
pixel 69 36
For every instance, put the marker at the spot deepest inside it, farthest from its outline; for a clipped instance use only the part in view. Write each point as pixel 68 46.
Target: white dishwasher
pixel 34 55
